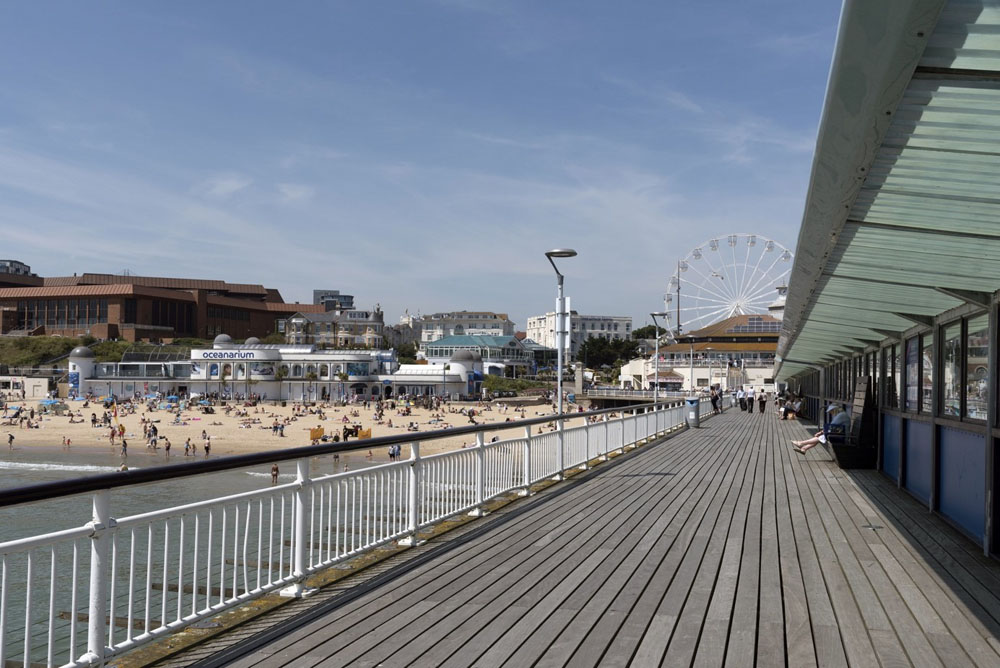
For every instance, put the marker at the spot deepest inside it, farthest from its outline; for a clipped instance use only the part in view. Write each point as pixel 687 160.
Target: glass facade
pixel 951 370
pixel 976 372
pixel 927 373
pixel 912 374
pixel 61 313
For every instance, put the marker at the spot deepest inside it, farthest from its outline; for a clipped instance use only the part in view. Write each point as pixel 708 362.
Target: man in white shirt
pixel 840 422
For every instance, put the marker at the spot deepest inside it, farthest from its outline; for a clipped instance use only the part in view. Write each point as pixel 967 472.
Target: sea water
pixel 28 466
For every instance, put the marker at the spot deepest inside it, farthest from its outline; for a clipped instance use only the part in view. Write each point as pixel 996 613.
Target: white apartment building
pixel 542 329
pixel 463 323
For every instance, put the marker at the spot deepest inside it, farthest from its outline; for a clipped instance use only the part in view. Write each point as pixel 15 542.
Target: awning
pixel 902 212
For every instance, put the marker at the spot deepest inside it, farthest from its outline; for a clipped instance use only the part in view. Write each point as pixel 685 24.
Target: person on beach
pixel 166 446
pixel 187 447
pixel 208 445
pixel 10 440
pixel 274 474
pixel 124 451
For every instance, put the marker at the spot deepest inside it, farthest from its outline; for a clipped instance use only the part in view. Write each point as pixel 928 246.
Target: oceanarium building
pixel 272 372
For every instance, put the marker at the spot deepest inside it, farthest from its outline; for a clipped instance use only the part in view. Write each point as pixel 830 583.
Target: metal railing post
pixel 607 438
pixel 560 441
pixel 623 433
pixel 414 520
pixel 300 536
pixel 586 444
pixel 100 560
pixel 480 475
pixel 527 462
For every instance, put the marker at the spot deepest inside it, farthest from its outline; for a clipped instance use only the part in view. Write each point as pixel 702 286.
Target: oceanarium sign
pixel 236 355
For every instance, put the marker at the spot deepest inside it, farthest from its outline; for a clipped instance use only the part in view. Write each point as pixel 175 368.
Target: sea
pixel 37 464
pixel 30 465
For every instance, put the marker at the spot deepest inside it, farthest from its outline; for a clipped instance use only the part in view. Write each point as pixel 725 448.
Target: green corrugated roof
pixel 902 217
pixel 472 341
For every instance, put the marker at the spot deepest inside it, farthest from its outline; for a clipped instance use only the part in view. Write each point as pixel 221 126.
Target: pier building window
pixel 912 374
pixel 897 362
pixel 964 368
pixel 927 373
pixel 951 370
pixel 976 366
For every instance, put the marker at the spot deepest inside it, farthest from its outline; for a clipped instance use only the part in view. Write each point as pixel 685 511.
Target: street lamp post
pixel 708 351
pixel 561 334
pixel 691 362
pixel 560 321
pixel 656 358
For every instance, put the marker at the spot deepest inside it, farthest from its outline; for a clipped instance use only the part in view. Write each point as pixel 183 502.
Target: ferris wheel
pixel 736 274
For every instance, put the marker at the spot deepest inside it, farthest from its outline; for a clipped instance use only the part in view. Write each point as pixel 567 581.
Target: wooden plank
pixel 674 572
pixel 906 634
pixel 849 623
pixel 670 516
pixel 715 630
pixel 800 648
pixel 771 623
pixel 526 531
pixel 585 519
pixel 703 554
pixel 684 642
pixel 743 627
pixel 590 602
pixel 749 555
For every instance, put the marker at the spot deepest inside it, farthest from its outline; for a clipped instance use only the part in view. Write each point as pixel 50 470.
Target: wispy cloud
pixel 657 93
pixel 295 192
pixel 223 186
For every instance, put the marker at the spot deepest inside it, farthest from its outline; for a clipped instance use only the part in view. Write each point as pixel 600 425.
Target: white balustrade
pixel 148 575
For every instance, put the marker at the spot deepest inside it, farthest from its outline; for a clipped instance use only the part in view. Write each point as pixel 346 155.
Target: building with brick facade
pixel 142 308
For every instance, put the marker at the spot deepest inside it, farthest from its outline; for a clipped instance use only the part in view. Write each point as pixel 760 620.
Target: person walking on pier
pixel 750 400
pixel 762 401
pixel 741 396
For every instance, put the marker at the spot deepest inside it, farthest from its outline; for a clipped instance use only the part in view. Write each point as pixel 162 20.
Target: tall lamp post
pixel 656 358
pixel 691 362
pixel 708 351
pixel 560 320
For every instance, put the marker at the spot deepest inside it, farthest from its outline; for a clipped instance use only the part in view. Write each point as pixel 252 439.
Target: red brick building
pixel 140 308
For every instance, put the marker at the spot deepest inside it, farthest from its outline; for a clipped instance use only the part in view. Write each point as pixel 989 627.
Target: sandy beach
pixel 245 429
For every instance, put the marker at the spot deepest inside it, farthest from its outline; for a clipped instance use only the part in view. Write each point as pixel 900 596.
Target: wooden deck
pixel 718 547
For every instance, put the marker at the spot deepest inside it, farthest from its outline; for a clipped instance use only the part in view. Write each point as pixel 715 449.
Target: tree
pixel 407 353
pixel 599 351
pixel 647 332
pixel 280 373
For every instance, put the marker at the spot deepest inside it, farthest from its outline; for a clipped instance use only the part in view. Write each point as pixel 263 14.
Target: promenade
pixel 719 546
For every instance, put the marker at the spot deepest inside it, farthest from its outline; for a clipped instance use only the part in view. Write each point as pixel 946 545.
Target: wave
pixel 268 475
pixel 47 466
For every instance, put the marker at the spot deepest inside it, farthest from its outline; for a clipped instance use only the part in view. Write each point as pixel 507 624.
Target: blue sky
pixel 421 155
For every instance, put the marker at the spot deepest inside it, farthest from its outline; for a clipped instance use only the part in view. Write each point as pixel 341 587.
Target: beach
pixel 244 429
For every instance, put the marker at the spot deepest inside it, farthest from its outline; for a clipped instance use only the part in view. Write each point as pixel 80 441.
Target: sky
pixel 420 155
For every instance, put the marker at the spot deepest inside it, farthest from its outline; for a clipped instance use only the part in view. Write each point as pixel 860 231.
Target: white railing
pixel 81 596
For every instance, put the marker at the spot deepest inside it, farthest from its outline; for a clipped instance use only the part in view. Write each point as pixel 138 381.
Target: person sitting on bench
pixel 839 423
pixel 791 410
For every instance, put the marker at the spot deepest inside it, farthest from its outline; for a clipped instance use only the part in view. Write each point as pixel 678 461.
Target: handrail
pixel 60 488
pixel 162 570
